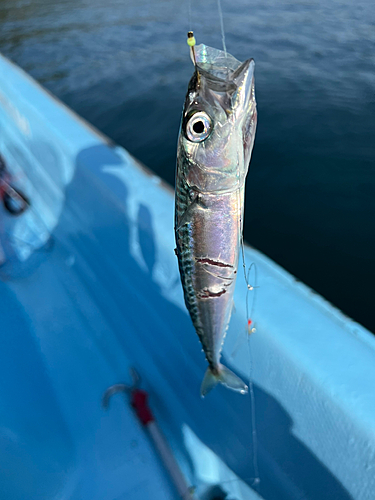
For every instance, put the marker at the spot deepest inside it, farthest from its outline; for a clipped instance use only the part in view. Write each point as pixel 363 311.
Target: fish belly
pixel 208 248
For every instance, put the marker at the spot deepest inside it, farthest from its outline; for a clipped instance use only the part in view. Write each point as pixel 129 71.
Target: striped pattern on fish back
pixel 185 256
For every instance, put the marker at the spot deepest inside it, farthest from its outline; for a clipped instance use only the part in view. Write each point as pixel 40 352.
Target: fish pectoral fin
pixel 187 215
pixel 223 376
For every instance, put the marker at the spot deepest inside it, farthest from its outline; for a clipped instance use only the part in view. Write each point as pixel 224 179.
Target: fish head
pixel 218 122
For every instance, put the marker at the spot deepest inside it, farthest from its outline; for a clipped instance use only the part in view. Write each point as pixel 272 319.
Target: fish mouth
pixel 220 69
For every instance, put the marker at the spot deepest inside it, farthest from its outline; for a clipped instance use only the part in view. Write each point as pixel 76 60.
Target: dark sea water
pixel 124 66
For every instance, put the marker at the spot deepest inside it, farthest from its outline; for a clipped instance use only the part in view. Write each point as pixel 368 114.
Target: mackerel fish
pixel 213 154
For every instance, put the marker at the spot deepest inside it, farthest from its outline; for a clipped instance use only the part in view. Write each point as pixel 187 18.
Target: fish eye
pixel 198 127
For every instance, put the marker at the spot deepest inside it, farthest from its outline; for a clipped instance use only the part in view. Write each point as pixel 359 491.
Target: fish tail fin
pixel 223 376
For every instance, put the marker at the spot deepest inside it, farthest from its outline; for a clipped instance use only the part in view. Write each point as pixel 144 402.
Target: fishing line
pixel 250 328
pixel 189 15
pixel 237 480
pixel 222 26
pixel 249 313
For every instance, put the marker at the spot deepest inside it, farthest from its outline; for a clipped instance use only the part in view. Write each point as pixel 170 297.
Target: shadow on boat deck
pixel 159 339
pixel 107 225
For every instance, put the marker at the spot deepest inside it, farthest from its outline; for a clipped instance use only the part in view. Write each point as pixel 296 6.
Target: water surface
pixel 124 66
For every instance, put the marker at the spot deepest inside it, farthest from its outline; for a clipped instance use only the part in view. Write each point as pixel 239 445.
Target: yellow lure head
pixel 191 40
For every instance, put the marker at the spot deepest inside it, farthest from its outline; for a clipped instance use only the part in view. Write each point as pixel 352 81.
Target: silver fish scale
pixel 186 261
pixel 207 250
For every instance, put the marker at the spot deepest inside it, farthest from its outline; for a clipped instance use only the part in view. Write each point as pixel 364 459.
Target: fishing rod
pixel 139 402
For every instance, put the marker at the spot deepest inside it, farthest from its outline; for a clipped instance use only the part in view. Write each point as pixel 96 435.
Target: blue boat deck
pixel 90 287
